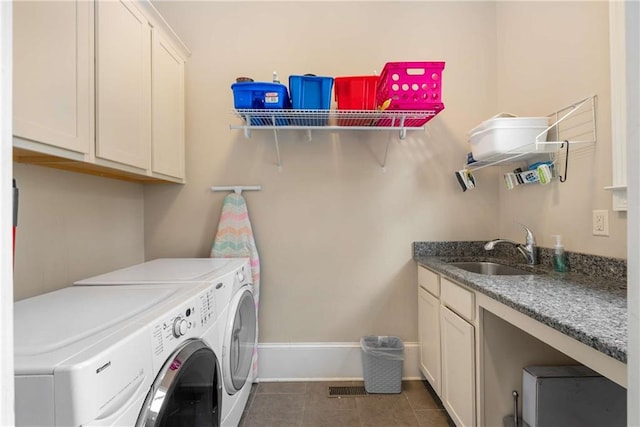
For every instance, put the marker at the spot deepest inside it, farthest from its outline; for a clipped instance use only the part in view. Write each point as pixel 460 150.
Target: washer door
pixel 239 340
pixel 187 391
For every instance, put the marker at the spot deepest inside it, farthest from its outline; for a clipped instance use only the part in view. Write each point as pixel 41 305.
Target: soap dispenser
pixel 559 260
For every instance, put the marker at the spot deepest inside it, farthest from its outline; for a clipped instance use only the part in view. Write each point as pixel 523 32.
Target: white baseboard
pixel 322 361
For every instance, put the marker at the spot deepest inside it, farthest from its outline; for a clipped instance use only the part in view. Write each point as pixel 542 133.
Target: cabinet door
pixel 458 368
pixel 53 73
pixel 167 154
pixel 123 50
pixel 429 336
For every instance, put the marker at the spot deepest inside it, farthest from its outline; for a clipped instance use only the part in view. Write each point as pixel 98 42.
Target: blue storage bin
pixel 310 92
pixel 261 96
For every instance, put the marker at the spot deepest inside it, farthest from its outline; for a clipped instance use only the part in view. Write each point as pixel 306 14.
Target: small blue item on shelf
pixel 470 158
pixel 261 96
pixel 310 92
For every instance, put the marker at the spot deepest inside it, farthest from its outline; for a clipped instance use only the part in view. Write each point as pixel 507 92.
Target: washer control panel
pixel 189 320
pixel 180 327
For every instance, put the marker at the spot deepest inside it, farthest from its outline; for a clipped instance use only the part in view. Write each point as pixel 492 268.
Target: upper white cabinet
pixel 53 76
pixel 123 84
pixel 136 129
pixel 167 157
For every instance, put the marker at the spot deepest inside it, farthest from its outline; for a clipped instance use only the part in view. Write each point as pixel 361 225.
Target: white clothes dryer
pixel 170 270
pixel 238 346
pixel 94 355
pixel 186 271
pixel 235 306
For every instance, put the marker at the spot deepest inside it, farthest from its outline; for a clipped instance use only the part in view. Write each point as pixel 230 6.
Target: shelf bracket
pixel 247 129
pixel 275 139
pixel 403 130
pixel 386 151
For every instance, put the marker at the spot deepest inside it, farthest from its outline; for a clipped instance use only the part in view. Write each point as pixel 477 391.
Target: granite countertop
pixel 588 307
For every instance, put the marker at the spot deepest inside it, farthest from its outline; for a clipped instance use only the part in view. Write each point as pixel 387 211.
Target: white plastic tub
pixel 500 136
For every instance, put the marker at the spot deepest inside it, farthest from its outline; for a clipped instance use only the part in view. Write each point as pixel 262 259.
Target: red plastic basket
pixel 411 86
pixel 355 93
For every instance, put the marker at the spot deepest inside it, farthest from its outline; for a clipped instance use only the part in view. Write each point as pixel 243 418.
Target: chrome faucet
pixel 528 250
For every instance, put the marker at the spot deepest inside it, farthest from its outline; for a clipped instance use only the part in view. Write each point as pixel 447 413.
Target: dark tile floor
pixel 306 404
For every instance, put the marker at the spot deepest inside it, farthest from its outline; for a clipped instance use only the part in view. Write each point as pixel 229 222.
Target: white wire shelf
pixel 331 120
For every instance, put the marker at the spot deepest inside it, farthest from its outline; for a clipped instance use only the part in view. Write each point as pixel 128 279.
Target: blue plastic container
pixel 310 92
pixel 261 96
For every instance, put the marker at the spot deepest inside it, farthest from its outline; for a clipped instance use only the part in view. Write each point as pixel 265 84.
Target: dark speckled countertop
pixel 588 303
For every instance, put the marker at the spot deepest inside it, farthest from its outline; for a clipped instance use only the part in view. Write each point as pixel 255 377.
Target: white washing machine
pixel 235 305
pixel 117 356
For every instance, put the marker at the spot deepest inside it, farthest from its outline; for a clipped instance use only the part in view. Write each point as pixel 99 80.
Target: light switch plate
pixel 601 222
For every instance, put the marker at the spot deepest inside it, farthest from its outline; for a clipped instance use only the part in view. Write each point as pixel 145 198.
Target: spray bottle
pixel 559 260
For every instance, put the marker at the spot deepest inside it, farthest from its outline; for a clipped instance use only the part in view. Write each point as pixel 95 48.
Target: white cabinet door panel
pixel 168 109
pixel 458 368
pixel 123 131
pixel 429 336
pixel 53 73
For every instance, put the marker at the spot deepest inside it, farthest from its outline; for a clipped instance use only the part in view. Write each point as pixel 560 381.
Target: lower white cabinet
pixel 429 333
pixel 458 367
pixel 447 344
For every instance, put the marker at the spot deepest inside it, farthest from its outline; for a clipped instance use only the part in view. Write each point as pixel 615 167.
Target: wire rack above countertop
pixel 333 119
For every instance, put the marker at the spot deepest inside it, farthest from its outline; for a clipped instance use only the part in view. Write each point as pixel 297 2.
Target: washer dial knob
pixel 180 327
pixel 240 276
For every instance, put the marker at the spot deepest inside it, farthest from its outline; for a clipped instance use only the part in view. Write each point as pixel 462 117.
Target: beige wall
pixel 334 231
pixel 72 226
pixel 552 54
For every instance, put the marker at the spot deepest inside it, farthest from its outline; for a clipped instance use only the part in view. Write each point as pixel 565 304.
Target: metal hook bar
pixel 566 162
pixel 236 188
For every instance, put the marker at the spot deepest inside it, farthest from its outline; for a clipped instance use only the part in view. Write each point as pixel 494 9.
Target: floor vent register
pixel 347 391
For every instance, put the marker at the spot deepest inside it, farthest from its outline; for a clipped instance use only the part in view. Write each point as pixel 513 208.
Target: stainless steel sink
pixel 491 268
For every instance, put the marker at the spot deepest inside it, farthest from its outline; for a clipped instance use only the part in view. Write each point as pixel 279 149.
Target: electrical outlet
pixel 601 222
